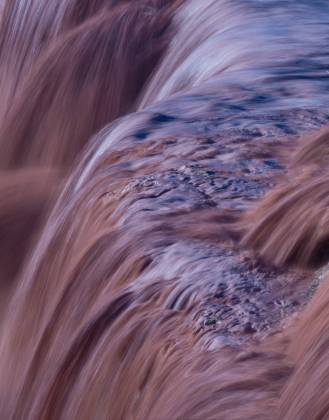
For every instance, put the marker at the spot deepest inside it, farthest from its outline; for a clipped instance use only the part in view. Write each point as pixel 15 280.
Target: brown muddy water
pixel 164 209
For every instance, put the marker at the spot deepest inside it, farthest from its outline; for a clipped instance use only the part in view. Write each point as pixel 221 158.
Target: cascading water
pixel 153 274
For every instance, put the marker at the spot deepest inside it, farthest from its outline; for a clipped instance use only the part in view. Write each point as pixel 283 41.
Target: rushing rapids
pixel 164 211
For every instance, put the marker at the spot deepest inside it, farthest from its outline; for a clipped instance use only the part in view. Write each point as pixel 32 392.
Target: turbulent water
pixel 164 210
